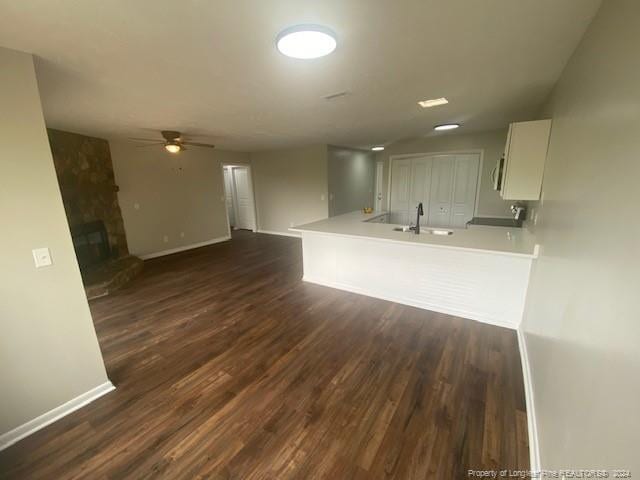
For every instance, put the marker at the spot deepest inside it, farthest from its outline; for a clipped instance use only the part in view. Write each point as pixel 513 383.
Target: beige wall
pixel 290 187
pixel 351 176
pixel 492 143
pixel 175 194
pixel 49 353
pixel 582 319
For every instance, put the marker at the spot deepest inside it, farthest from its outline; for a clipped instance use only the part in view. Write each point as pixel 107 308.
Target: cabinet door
pixel 526 153
pixel 465 181
pixel 442 173
pixel 400 186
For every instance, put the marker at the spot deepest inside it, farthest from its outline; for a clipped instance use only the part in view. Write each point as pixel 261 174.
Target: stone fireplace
pixel 89 193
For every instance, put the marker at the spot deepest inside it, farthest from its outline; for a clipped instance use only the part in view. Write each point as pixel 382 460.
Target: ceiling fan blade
pixel 195 144
pixel 150 144
pixel 145 139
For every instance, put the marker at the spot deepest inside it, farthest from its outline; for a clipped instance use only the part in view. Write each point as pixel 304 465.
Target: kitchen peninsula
pixel 480 273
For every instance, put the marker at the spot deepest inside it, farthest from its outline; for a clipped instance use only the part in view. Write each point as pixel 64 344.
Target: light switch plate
pixel 41 257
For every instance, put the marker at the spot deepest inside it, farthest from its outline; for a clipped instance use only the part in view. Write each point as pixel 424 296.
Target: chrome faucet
pixel 419 213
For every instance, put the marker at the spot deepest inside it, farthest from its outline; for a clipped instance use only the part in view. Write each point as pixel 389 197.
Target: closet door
pixel 400 185
pixel 420 186
pixel 442 173
pixel 464 189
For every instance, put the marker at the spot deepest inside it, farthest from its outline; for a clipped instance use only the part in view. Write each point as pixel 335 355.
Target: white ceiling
pixel 118 68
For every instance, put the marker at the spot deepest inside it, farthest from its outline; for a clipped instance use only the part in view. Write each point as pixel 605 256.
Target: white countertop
pixel 500 240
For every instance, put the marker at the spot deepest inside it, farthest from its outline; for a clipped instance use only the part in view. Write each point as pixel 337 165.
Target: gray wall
pixel 290 187
pixel 49 353
pixel 582 321
pixel 175 194
pixel 351 176
pixel 492 145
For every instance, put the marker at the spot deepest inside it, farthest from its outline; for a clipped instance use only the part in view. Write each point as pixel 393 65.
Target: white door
pixel 420 186
pixel 228 193
pixel 400 177
pixel 446 185
pixel 465 185
pixel 441 190
pixel 379 175
pixel 245 217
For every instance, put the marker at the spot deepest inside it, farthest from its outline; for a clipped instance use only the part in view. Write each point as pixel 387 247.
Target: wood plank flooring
pixel 227 366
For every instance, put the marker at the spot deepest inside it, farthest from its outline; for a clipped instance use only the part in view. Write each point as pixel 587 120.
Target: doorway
pixel 239 198
pixel 445 183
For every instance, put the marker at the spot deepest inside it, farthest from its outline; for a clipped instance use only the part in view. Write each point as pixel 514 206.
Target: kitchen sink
pixel 430 231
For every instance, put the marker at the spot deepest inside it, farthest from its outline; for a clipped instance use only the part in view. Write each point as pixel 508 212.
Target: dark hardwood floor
pixel 228 366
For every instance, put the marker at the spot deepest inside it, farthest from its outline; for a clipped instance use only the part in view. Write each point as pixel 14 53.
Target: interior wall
pixel 290 187
pixel 87 184
pixel 170 201
pixel 492 143
pixel 351 176
pixel 49 352
pixel 582 318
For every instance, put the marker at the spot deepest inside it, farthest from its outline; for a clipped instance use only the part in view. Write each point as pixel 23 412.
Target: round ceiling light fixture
pixel 306 41
pixel 379 148
pixel 172 147
pixel 446 126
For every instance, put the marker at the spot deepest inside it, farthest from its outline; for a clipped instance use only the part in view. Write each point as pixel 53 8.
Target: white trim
pixel 426 306
pixel 184 248
pixel 286 234
pixel 32 426
pixel 532 428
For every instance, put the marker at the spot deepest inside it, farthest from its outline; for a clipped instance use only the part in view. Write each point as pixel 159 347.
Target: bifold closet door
pixel 400 178
pixel 465 186
pixel 441 190
pixel 420 186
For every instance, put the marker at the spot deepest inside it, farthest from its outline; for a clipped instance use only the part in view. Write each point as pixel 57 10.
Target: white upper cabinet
pixel 519 174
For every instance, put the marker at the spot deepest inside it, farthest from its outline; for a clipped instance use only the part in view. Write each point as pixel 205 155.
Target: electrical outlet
pixel 291 224
pixel 136 206
pixel 41 257
pixel 165 239
pixel 181 234
pixel 322 197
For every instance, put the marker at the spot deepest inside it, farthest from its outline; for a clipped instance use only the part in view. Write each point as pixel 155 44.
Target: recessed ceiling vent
pixel 335 96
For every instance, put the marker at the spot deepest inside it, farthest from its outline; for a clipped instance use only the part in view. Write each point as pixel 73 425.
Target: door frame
pixel 223 165
pixel 379 181
pixel 405 156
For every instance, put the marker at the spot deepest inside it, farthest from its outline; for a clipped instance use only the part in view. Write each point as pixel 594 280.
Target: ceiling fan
pixel 173 142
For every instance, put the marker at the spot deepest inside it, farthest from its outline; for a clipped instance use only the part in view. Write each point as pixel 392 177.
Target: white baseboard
pixel 285 234
pixel 32 426
pixel 534 449
pixel 184 248
pixel 434 308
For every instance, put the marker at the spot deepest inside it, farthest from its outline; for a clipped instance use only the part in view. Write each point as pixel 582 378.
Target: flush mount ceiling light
pixel 306 41
pixel 446 126
pixel 378 148
pixel 433 102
